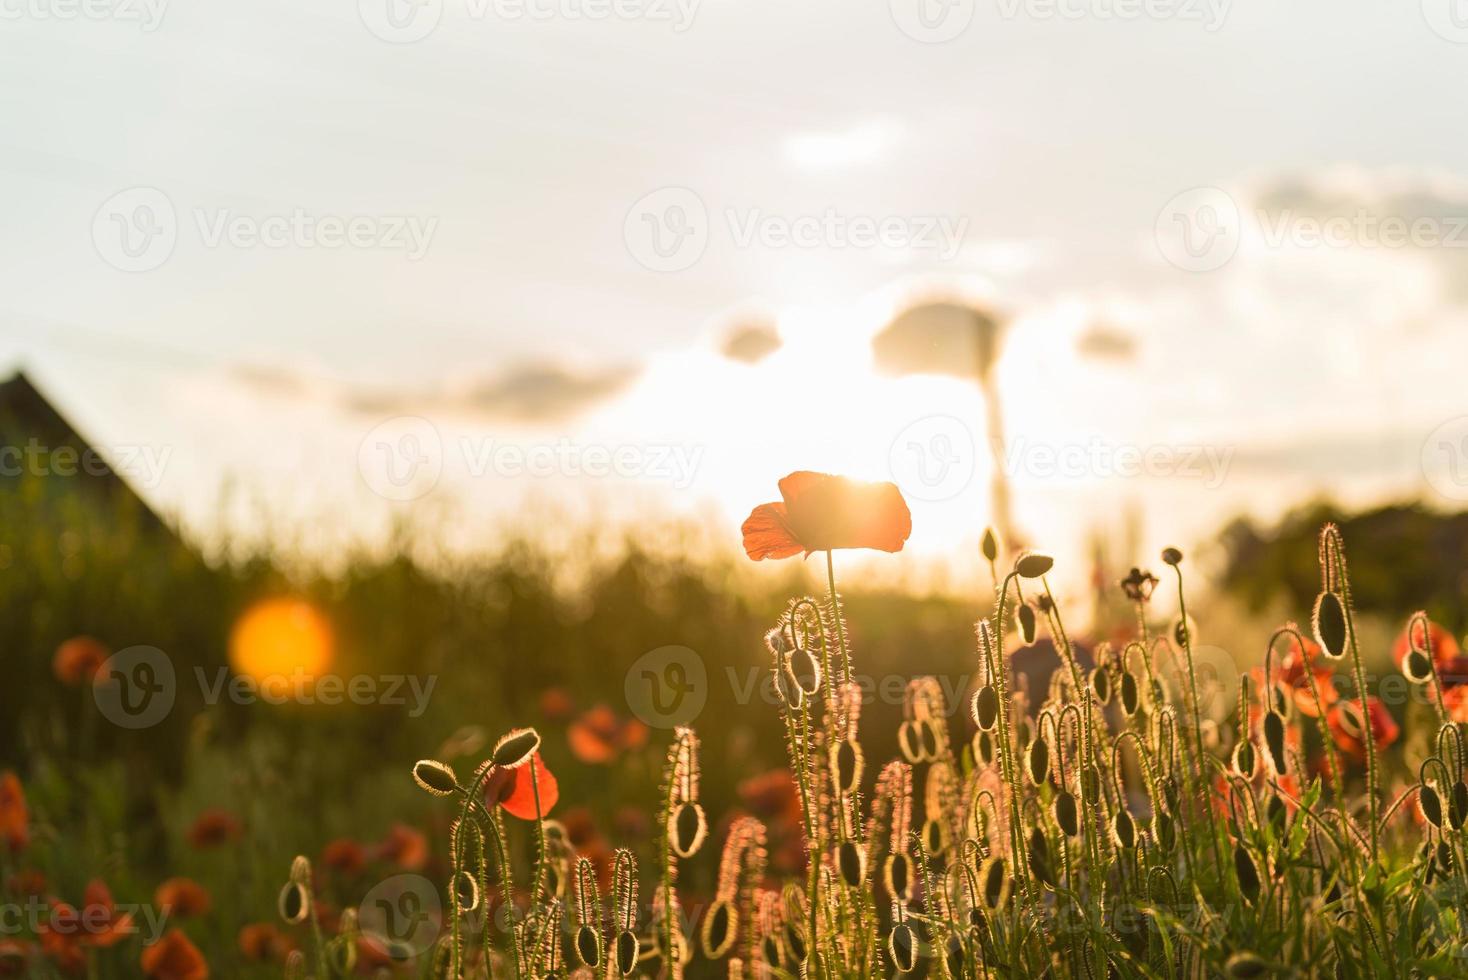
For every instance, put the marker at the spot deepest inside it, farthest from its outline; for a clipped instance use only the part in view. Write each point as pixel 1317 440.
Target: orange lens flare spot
pixel 281 644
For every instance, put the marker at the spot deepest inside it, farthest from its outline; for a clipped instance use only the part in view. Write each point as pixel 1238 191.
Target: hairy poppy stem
pixel 836 615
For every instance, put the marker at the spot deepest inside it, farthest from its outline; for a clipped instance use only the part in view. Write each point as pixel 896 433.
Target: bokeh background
pixel 444 346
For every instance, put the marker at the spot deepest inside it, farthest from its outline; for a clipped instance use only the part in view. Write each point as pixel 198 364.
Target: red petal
pixel 520 801
pixel 767 533
pixel 828 512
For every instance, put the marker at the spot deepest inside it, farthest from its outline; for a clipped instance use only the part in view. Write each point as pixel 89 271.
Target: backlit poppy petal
pixel 519 797
pixel 174 957
pixel 767 534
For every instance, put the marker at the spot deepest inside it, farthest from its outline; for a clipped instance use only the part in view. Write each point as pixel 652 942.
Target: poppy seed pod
pixel 515 748
pixel 435 777
pixel 1033 564
pixel 1329 624
pixel 986 707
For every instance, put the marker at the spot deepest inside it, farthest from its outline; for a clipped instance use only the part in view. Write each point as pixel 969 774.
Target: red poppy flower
pixel 96 923
pixel 182 897
pixel 556 704
pixel 1455 702
pixel 598 736
pixel 1292 674
pixel 1439 643
pixel 404 846
pixel 515 789
pixel 214 827
pixel 344 856
pixel 28 883
pixel 174 957
pixel 1346 728
pixel 78 659
pixel 821 512
pixel 263 942
pixel 15 817
pixel 15 956
pixel 772 795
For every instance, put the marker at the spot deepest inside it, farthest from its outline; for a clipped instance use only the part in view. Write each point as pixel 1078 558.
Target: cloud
pixel 531 392
pixel 750 343
pixel 940 337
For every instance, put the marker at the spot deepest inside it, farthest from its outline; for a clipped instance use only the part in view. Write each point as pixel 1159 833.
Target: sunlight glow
pixel 281 642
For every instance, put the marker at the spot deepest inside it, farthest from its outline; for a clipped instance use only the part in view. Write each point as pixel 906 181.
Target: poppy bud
pixel 1274 741
pixel 995 882
pixel 986 707
pixel 851 859
pixel 1131 694
pixel 588 946
pixel 466 892
pixel 1329 623
pixel 1026 616
pixel 934 837
pixel 910 741
pixel 1039 854
pixel 788 688
pixel 795 943
pixel 1067 817
pixel 1124 829
pixel 294 903
pixel 897 876
pixel 1101 685
pixel 1245 966
pixel 435 777
pixel 953 954
pixel 1033 564
pixel 929 738
pixel 902 946
pixel 515 748
pixel 983 748
pixel 806 670
pixel 1171 556
pixel 1432 807
pixel 1039 761
pixel 1417 666
pixel 989 545
pixel 1458 808
pixel 1247 872
pixel 1165 829
pixel 628 949
pixel 846 766
pixel 1244 759
pixel 719 927
pixel 687 828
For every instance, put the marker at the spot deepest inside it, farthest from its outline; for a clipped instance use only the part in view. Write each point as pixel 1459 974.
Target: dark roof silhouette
pixel 30 424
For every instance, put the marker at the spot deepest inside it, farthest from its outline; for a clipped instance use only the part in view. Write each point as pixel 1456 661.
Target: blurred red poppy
pixel 404 846
pixel 97 923
pixel 28 883
pixel 1295 672
pixel 1345 723
pixel 182 897
pixel 15 817
pixel 344 856
pixel 1446 654
pixel 78 659
pixel 772 795
pixel 174 957
pixel 214 827
pixel 515 789
pixel 15 955
pixel 598 736
pixel 556 704
pixel 263 942
pixel 821 512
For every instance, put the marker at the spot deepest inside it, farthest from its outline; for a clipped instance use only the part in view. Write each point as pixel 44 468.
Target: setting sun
pixel 281 640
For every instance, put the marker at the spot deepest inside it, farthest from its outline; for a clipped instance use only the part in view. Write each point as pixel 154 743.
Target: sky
pixel 371 260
